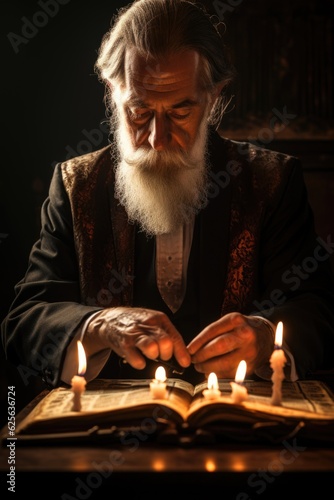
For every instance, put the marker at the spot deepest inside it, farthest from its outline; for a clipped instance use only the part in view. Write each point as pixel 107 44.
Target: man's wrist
pixel 265 340
pixel 86 323
pixel 270 327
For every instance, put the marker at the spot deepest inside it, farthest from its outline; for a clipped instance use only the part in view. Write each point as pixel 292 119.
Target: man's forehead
pixel 166 73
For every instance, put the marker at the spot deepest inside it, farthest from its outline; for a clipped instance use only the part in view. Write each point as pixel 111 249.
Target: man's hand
pixel 223 344
pixel 135 334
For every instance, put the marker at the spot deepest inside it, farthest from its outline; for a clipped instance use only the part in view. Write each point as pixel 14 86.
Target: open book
pixel 111 406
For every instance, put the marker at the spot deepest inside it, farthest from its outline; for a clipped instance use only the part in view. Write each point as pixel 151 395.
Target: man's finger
pixel 221 345
pixel 223 325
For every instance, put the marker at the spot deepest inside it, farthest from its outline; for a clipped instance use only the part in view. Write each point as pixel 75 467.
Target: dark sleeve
pixel 298 284
pixel 46 311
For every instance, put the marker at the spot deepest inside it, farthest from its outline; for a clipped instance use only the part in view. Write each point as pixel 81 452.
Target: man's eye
pixel 138 116
pixel 180 115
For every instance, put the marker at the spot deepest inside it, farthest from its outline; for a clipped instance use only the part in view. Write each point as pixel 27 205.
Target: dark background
pixel 52 107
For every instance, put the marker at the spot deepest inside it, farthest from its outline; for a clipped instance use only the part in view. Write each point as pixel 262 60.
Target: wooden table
pixel 229 470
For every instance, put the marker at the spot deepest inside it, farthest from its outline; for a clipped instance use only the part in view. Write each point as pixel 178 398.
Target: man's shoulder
pixel 83 165
pixel 252 153
pixel 256 165
pixel 254 170
pixel 87 170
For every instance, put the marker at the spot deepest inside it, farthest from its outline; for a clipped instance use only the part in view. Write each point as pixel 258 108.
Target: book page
pixel 103 396
pixel 105 402
pixel 305 396
pixel 309 399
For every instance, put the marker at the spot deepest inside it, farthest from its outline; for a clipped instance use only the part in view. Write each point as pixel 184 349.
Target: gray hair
pixel 157 28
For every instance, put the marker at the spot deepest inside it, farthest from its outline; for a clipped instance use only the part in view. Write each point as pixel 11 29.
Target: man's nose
pixel 159 132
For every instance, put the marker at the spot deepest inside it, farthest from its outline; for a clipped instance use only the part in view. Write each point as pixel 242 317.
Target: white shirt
pixel 172 256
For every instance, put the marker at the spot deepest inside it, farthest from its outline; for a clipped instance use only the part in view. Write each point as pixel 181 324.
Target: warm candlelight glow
pixel 158 386
pixel 239 392
pixel 158 464
pixel 212 381
pixel 82 366
pixel 212 392
pixel 277 363
pixel 160 374
pixel 210 465
pixel 241 372
pixel 279 334
pixel 78 381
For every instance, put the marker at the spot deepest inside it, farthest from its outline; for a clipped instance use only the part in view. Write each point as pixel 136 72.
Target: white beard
pixel 161 190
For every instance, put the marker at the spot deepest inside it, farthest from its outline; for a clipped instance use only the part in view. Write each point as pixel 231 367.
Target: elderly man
pixel 172 242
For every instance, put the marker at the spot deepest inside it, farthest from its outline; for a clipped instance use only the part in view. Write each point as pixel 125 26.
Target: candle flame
pixel 82 364
pixel 279 334
pixel 160 374
pixel 212 381
pixel 241 371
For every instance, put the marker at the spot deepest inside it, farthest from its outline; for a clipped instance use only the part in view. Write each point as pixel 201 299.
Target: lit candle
pixel 78 381
pixel 277 362
pixel 158 386
pixel 212 392
pixel 239 391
